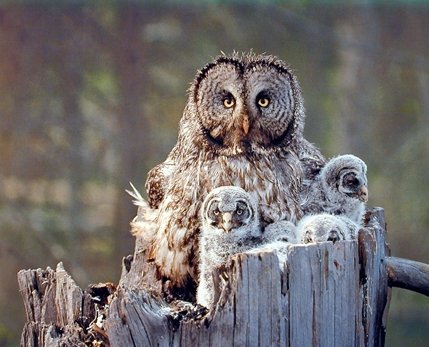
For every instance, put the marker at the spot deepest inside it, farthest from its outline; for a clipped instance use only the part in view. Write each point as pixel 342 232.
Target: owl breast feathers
pixel 242 126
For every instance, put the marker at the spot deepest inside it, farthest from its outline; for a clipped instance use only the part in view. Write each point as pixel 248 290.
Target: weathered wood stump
pixel 324 295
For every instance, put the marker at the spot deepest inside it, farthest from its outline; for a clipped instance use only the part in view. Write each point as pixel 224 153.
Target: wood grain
pixel 326 294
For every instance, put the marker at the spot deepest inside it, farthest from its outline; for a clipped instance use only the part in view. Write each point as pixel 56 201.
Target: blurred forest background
pixel 91 94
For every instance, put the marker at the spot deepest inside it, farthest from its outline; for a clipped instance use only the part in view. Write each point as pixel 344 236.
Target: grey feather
pixel 341 188
pixel 229 226
pixel 326 227
pixel 242 126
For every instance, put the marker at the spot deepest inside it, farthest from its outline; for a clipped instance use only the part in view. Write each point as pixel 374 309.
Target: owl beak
pixel 246 125
pixel 363 193
pixel 242 123
pixel 227 222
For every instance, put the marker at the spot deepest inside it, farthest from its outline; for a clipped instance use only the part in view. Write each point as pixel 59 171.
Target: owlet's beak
pixel 363 193
pixel 227 222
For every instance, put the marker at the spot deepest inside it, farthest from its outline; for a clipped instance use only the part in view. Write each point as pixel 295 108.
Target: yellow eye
pixel 229 102
pixel 263 102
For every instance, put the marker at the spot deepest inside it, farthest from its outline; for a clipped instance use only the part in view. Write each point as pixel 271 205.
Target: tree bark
pixel 326 294
pixel 408 274
pixel 57 310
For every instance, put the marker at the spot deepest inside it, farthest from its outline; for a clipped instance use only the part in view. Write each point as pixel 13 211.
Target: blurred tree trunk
pixel 357 34
pixel 71 79
pixel 133 127
pixel 423 83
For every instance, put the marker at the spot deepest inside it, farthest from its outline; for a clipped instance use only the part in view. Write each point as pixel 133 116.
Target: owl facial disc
pixel 228 209
pixel 247 103
pixel 354 185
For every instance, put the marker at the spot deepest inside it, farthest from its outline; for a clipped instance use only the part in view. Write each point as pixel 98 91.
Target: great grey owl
pixel 230 225
pixel 242 126
pixel 341 188
pixel 326 227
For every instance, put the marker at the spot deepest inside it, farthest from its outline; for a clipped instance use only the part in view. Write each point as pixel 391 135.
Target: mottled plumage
pixel 144 224
pixel 242 126
pixel 341 188
pixel 229 226
pixel 312 161
pixel 326 227
pixel 277 237
pixel 280 231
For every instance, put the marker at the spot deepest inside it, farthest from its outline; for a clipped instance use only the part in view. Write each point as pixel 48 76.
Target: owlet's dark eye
pixel 229 101
pixel 263 102
pixel 216 212
pixel 239 211
pixel 351 180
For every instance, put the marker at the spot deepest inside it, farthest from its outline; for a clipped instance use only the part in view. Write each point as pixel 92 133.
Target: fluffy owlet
pixel 341 188
pixel 230 225
pixel 279 231
pixel 326 227
pixel 277 237
pixel 242 126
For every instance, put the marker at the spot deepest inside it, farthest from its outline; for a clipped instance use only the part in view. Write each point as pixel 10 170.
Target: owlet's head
pixel 320 228
pixel 346 175
pixel 230 210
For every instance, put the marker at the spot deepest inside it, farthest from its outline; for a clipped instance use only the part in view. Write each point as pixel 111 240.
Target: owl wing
pixel 157 181
pixel 312 160
pixel 312 195
pixel 144 223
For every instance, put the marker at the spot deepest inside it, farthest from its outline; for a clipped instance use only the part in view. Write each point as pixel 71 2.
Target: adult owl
pixel 326 227
pixel 341 188
pixel 229 225
pixel 242 126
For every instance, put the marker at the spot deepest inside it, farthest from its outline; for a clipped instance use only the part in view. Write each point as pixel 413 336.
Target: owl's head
pixel 322 227
pixel 230 210
pixel 248 102
pixel 346 175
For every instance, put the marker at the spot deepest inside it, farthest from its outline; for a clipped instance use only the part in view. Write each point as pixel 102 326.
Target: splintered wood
pixel 57 309
pixel 326 294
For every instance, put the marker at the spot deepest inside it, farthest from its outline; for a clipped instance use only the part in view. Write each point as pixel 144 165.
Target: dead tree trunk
pixel 325 295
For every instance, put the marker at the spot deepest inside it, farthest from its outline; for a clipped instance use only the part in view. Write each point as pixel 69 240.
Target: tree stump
pixel 326 294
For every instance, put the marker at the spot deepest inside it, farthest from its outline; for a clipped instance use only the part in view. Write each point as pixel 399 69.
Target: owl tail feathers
pixel 144 223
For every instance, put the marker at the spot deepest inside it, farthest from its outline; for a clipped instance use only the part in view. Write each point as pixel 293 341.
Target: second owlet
pixel 341 188
pixel 230 225
pixel 326 227
pixel 242 126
